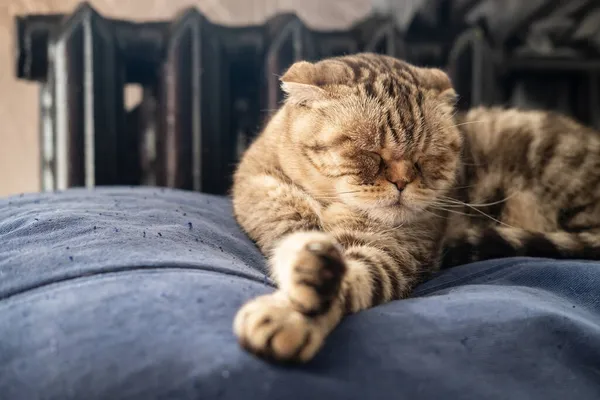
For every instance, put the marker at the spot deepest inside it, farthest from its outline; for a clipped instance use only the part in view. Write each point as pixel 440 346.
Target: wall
pixel 19 167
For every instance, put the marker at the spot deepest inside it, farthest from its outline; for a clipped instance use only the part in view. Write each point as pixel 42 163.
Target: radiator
pixel 207 89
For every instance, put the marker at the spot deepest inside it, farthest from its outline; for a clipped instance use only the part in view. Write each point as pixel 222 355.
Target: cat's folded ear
pixel 299 83
pixel 437 80
pixel 306 83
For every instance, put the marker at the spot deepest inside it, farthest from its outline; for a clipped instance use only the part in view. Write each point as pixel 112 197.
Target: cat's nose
pixel 400 184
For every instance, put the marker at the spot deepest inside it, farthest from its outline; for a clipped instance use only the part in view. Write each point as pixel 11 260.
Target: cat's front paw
pixel 272 329
pixel 310 269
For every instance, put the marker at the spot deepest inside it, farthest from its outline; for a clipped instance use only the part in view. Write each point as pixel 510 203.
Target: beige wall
pixel 19 169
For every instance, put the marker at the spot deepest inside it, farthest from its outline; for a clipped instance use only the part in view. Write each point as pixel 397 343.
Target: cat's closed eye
pixel 374 162
pixel 375 157
pixel 317 147
pixel 418 168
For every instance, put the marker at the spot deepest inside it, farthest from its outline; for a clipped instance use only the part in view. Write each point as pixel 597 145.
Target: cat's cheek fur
pixel 391 216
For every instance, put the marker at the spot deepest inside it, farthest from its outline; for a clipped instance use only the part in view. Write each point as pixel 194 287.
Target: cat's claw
pixel 272 329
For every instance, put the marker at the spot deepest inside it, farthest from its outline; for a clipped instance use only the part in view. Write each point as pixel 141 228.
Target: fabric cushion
pixel 130 293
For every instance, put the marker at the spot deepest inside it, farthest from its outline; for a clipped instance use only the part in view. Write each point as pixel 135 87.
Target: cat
pixel 366 181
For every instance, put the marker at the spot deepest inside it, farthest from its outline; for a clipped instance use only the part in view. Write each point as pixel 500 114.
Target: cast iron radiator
pixel 207 89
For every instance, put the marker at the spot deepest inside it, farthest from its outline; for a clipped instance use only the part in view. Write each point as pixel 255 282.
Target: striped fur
pixel 358 181
pixel 534 177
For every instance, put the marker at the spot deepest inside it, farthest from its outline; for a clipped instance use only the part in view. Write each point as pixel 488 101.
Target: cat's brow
pixel 321 146
pixel 340 140
pixel 316 147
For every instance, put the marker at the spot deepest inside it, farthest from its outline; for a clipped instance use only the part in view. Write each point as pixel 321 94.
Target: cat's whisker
pixel 453 187
pixel 393 228
pixel 384 232
pixel 325 197
pixel 335 194
pixel 446 204
pixel 467 123
pixel 458 202
pixel 484 214
pixel 349 192
pixel 451 211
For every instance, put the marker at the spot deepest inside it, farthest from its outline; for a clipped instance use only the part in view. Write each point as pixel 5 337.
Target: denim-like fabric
pixel 130 294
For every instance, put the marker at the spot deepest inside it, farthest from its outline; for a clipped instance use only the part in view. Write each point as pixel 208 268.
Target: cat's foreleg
pixel 306 263
pixel 321 275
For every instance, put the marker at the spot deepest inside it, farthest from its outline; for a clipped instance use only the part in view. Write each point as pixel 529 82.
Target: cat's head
pixel 372 132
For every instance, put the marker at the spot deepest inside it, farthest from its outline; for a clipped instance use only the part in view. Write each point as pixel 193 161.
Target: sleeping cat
pixel 366 182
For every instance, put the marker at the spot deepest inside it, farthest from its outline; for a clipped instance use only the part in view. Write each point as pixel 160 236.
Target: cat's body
pixel 531 181
pixel 360 179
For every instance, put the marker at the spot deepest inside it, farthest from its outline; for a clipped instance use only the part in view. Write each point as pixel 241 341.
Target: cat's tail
pixel 500 242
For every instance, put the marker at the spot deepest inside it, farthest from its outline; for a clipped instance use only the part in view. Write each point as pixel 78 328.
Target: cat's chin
pixel 393 215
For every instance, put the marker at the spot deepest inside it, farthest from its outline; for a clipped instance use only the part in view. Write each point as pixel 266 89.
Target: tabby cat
pixel 366 181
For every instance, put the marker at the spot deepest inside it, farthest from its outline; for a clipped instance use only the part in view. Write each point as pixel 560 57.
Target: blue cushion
pixel 124 293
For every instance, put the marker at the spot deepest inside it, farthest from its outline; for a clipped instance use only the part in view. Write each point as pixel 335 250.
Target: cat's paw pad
pixel 316 268
pixel 272 329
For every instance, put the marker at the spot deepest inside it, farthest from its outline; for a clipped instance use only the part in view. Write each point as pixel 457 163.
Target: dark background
pixel 207 88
